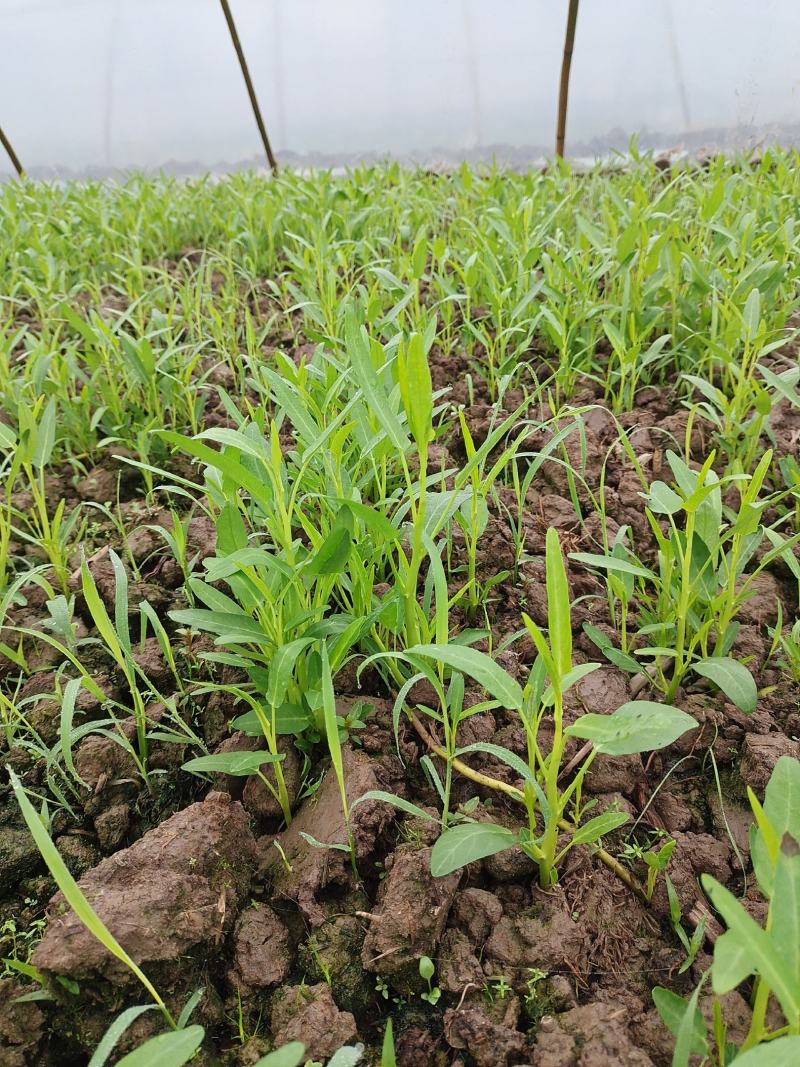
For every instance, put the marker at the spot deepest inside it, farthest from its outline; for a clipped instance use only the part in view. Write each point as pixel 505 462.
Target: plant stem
pixel 683 607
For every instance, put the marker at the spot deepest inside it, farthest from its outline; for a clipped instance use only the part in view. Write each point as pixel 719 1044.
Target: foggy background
pixel 95 86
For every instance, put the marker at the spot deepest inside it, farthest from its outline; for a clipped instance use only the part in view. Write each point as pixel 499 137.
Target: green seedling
pixel 553 811
pixel 768 953
pixel 690 606
pixel 426 972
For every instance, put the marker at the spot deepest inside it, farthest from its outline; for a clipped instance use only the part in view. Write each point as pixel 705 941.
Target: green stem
pixel 683 608
pixel 550 841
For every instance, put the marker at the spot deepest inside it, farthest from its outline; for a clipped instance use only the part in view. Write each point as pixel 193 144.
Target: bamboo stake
pixel 249 84
pixel 12 155
pixel 563 90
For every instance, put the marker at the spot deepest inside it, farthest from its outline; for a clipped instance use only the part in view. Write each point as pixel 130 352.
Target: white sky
pixel 119 83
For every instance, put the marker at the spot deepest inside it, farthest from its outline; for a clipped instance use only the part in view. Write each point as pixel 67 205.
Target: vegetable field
pixel 400 619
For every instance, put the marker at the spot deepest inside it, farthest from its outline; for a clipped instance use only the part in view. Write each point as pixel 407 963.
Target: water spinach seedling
pixel 554 812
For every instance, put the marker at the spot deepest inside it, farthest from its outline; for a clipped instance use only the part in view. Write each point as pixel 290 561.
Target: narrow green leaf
pixel 108 1042
pixel 73 894
pixel 166 1050
pixel 612 563
pixel 396 802
pixel 595 828
pixel 672 1010
pixel 558 614
pixel 235 763
pixel 482 668
pixel 358 351
pixel 65 725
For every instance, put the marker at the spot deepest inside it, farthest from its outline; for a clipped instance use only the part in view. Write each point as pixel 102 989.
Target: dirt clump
pixel 21 1027
pixel 260 950
pixel 308 1013
pixel 488 1043
pixel 299 870
pixel 175 891
pixel 409 918
pixel 593 1035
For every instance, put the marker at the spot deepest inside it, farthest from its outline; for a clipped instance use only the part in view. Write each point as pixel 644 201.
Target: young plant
pixel 551 808
pixel 690 606
pixel 56 534
pixel 769 955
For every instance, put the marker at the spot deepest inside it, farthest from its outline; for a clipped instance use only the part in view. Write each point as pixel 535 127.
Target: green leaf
pixel 752 314
pixel 396 802
pixel 230 628
pixel 782 383
pixel 663 500
pixel 167 1050
pixel 100 617
pixel 482 668
pixel 672 1010
pixel 611 563
pixel 289 719
pixel 45 435
pixel 358 350
pixel 571 678
pixel 235 763
pixel 732 961
pixel 346 1056
pixel 281 668
pixel 595 828
pixel 558 616
pixel 332 555
pixel 764 957
pixel 231 532
pixel 416 389
pixel 782 1052
pixel 388 1057
pixel 332 728
pixel 511 759
pixel 785 930
pixel 8 439
pixel 68 699
pixel 732 677
pixel 108 1041
pixel 286 1056
pixel 463 844
pixel 638 726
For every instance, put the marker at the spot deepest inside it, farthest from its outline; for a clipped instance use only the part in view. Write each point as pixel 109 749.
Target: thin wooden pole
pixel 12 155
pixel 566 63
pixel 249 83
